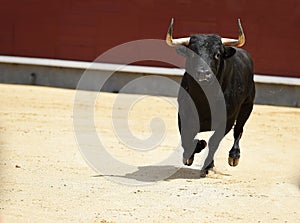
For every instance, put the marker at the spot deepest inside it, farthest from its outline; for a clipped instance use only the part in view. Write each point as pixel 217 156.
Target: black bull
pixel 217 92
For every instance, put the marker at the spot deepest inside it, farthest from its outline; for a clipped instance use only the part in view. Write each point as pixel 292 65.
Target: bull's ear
pixel 229 52
pixel 182 50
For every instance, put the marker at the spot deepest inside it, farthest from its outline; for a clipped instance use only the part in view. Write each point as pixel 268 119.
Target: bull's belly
pixel 195 108
pixel 205 126
pixel 206 122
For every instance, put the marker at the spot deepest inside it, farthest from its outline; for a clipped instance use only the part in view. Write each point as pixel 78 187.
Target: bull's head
pixel 205 53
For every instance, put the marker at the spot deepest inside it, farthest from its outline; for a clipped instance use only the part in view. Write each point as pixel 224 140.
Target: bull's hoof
pixel 189 161
pixel 203 173
pixel 201 144
pixel 233 161
pixel 234 157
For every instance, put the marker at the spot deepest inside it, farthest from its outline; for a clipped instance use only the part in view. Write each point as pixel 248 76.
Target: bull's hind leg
pixel 234 153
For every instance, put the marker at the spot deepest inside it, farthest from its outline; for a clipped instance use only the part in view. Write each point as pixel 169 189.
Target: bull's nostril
pixel 208 74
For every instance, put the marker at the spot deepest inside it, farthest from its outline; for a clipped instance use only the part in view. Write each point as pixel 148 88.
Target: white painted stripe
pixel 264 79
pixel 277 80
pixel 90 65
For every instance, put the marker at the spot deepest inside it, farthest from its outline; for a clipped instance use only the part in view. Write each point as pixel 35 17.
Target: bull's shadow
pixel 158 173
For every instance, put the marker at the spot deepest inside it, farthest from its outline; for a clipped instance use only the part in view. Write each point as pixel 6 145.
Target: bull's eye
pixel 217 56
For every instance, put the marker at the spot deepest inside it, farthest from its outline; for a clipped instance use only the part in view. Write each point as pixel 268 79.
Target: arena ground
pixel 44 178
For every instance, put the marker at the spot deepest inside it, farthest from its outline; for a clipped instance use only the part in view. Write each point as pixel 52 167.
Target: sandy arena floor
pixel 44 178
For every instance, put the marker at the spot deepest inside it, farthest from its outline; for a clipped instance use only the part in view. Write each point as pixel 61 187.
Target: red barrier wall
pixel 83 29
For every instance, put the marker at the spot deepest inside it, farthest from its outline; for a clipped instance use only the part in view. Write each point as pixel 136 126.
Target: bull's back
pixel 241 81
pixel 243 63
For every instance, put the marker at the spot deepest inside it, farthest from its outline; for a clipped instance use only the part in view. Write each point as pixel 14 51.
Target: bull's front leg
pixel 213 145
pixel 188 131
pixel 189 125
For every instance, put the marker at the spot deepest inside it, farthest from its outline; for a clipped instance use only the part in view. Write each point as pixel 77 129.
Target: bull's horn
pixel 236 42
pixel 175 42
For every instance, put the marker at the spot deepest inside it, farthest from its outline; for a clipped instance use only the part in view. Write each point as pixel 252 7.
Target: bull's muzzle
pixel 204 76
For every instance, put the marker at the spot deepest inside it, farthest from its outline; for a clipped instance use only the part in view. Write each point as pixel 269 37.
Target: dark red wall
pixel 83 29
